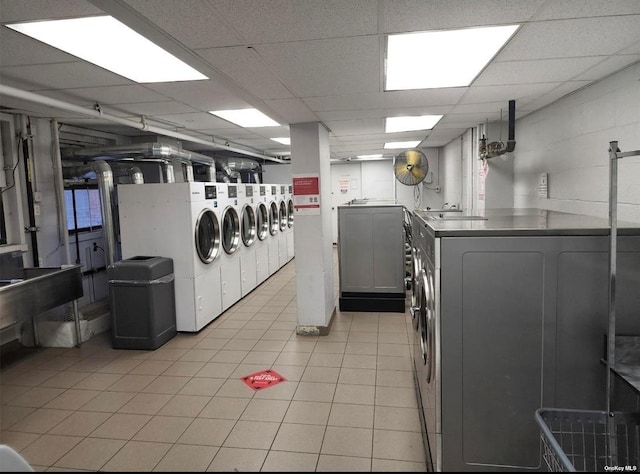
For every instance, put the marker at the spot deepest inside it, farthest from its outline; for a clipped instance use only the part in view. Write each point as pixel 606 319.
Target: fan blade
pixel 413 157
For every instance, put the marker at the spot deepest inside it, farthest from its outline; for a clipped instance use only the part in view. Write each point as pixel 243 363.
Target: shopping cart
pixel 589 441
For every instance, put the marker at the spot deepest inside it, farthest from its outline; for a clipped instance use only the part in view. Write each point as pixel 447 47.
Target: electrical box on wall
pixel 543 186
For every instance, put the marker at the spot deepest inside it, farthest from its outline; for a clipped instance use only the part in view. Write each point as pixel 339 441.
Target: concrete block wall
pixel 569 140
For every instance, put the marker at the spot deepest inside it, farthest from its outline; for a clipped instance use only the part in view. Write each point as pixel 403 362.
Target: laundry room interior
pixel 338 235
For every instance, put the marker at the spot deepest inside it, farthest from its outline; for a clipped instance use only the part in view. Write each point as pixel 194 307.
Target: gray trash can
pixel 143 309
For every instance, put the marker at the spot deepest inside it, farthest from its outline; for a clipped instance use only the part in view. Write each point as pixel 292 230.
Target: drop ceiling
pixel 317 61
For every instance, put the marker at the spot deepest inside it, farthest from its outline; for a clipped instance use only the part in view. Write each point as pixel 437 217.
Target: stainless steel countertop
pixel 627 363
pixel 524 221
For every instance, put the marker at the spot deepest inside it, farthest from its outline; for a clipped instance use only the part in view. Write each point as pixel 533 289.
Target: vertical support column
pixel 313 239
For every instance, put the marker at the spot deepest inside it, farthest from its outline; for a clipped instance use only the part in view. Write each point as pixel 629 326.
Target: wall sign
pixel 306 194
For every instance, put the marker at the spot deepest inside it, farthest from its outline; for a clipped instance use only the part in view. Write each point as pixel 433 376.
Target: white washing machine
pixel 274 227
pixel 288 197
pixel 230 242
pixel 179 221
pixel 262 231
pixel 248 236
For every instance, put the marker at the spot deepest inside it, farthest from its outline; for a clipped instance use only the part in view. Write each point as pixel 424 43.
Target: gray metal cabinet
pixel 523 321
pixel 371 257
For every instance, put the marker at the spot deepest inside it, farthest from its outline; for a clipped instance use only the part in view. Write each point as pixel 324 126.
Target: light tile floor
pixel 348 403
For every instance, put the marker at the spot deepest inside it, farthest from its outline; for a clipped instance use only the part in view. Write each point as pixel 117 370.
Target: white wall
pixel 276 173
pixel 452 172
pixel 569 140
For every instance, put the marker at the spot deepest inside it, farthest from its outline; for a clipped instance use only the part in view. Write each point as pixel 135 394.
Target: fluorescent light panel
pixel 407 124
pixel 369 157
pixel 245 117
pixel 404 145
pixel 448 58
pixel 110 44
pixel 283 140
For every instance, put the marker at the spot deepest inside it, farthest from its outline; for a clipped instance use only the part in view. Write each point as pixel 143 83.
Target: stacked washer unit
pixel 230 240
pixel 283 226
pixel 260 192
pixel 289 232
pixel 180 221
pixel 274 228
pixel 248 234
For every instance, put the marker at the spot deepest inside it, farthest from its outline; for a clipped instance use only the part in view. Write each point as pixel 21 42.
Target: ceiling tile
pixel 154 108
pixel 278 21
pixel 604 68
pixel 356 127
pixel 428 98
pixel 292 110
pixel 326 67
pixel 24 10
pixel 597 36
pixel 380 113
pixel 36 110
pixel 418 15
pixel 542 70
pixel 106 95
pixel 202 95
pixel 556 94
pixel 196 121
pixel 580 8
pixel 480 94
pixel 14 45
pixel 61 76
pixel 245 67
pixel 194 23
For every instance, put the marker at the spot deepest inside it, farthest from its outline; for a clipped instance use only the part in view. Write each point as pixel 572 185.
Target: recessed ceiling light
pixel 110 44
pixel 283 140
pixel 447 58
pixel 369 157
pixel 245 117
pixel 406 124
pixel 408 144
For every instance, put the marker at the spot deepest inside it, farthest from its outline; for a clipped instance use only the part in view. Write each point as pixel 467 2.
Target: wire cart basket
pixel 589 441
pixel 595 441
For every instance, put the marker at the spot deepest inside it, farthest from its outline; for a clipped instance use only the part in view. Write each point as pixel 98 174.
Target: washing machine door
pixel 282 216
pixel 262 221
pixel 428 323
pixel 273 218
pixel 230 230
pixel 290 213
pixel 248 225
pixel 416 266
pixel 207 236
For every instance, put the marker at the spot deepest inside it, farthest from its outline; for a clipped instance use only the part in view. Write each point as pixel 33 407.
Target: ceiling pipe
pixel 127 169
pixel 142 125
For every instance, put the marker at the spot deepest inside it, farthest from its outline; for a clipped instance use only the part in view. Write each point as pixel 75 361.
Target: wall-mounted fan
pixel 411 167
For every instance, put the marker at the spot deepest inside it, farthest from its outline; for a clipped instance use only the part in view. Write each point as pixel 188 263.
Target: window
pixel 84 212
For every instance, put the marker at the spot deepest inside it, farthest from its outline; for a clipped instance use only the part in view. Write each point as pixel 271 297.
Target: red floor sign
pixel 263 379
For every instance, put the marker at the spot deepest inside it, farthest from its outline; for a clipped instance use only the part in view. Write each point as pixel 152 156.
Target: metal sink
pixel 455 217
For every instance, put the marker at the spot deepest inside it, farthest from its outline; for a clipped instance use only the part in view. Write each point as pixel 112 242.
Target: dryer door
pixel 207 236
pixel 248 226
pixel 273 218
pixel 290 213
pixel 262 219
pixel 282 216
pixel 230 230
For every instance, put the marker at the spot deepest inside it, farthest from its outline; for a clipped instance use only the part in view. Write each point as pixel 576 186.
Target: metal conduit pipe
pixel 127 169
pixel 256 177
pixel 168 175
pixel 104 176
pixel 211 174
pixel 187 171
pixel 58 104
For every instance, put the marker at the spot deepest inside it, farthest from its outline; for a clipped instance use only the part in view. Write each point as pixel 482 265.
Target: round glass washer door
pixel 290 213
pixel 273 218
pixel 248 225
pixel 230 230
pixel 207 236
pixel 262 219
pixel 282 217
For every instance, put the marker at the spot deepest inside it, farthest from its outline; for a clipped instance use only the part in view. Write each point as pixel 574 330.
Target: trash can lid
pixel 140 268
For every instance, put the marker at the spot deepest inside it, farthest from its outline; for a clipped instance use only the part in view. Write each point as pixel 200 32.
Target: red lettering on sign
pixel 263 379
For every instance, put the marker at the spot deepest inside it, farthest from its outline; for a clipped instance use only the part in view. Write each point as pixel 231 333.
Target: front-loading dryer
pixel 179 221
pixel 274 228
pixel 230 242
pixel 262 232
pixel 248 237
